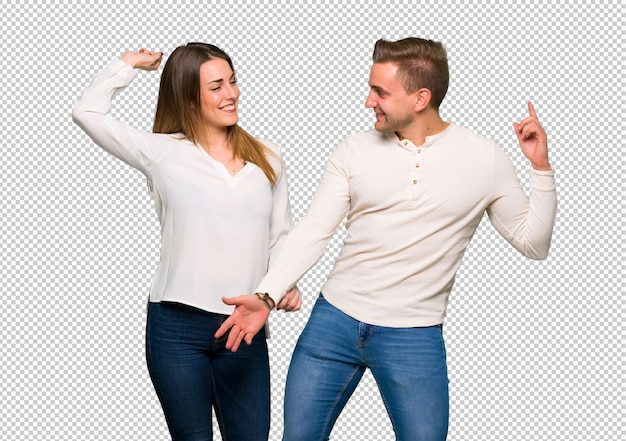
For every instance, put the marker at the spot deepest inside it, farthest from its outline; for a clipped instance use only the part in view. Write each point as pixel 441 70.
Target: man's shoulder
pixel 464 132
pixel 463 137
pixel 371 137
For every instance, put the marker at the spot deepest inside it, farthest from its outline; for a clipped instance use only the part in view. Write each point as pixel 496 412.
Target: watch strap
pixel 265 298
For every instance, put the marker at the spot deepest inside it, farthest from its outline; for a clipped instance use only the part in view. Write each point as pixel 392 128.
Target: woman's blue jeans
pixel 332 353
pixel 191 372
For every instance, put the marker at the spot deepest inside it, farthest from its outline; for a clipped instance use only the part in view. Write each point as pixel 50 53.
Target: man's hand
pixel 533 140
pixel 247 319
pixel 250 315
pixel 144 59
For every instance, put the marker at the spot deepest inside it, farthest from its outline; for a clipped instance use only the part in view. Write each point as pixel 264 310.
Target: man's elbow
pixel 542 256
pixel 537 253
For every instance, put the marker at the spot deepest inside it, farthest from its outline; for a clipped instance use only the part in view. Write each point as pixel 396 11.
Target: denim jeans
pixel 332 353
pixel 191 372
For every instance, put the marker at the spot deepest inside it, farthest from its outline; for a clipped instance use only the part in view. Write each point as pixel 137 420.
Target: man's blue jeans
pixel 332 353
pixel 191 372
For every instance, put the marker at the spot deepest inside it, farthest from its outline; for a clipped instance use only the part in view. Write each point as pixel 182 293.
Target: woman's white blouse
pixel 218 232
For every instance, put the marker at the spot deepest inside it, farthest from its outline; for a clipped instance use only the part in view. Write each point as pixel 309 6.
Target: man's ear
pixel 422 99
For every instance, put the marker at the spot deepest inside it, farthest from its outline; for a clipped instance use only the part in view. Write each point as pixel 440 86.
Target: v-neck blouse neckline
pixel 219 165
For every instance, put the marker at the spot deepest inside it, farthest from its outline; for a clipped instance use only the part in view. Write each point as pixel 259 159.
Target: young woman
pixel 221 198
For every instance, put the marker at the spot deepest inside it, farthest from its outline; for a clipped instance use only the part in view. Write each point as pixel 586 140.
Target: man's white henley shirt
pixel 411 212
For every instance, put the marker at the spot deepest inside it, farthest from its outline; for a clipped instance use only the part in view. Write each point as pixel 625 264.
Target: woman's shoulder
pixel 273 153
pixel 272 147
pixel 163 145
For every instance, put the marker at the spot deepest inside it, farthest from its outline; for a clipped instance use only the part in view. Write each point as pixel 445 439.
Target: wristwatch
pixel 265 298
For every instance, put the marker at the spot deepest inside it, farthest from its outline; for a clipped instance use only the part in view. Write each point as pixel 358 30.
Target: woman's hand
pixel 144 59
pixel 292 301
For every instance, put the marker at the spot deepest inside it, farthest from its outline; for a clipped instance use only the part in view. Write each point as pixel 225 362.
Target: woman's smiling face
pixel 219 94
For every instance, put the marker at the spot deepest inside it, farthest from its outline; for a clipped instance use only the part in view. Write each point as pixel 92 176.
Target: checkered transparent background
pixel 535 349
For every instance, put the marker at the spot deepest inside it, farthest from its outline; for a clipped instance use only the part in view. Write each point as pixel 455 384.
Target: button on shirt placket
pixel 416 167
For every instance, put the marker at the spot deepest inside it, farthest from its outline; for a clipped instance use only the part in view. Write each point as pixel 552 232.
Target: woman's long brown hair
pixel 178 106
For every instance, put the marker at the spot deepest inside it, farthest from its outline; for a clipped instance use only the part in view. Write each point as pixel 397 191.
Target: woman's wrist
pixel 128 57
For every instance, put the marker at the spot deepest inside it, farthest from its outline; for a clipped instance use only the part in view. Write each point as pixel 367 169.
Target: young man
pixel 414 191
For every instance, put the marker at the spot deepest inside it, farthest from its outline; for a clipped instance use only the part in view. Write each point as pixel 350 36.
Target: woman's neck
pixel 217 145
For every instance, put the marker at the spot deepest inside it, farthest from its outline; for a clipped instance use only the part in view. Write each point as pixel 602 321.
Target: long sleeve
pixel 217 230
pixel 280 221
pixel 305 245
pixel 525 222
pixel 92 112
pixel 411 213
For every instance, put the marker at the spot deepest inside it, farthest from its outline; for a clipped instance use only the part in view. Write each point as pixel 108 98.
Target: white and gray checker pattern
pixel 535 349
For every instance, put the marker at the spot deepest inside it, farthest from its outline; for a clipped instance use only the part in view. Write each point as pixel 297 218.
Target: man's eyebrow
pixel 376 88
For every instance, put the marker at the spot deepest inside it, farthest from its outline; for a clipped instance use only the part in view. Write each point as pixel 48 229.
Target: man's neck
pixel 422 127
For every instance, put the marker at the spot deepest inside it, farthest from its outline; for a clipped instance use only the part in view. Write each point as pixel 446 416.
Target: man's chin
pixel 381 127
